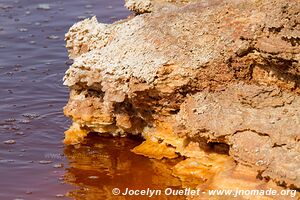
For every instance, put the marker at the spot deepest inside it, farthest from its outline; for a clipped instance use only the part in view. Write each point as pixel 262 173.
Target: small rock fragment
pixel 23 29
pixel 52 37
pixel 31 115
pixel 45 162
pixel 9 142
pixel 43 7
pixel 60 165
pixel 93 177
pixel 59 195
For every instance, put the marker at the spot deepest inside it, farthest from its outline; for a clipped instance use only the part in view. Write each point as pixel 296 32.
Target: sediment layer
pixel 194 78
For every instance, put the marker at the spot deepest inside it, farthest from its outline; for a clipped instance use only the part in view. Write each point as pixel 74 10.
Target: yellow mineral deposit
pixel 153 149
pixel 75 134
pixel 242 180
pixel 196 171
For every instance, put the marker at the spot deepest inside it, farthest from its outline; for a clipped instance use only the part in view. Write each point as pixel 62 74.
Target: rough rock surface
pixel 261 125
pixel 147 6
pixel 213 75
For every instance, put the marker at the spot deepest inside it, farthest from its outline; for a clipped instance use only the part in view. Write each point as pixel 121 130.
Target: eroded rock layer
pixel 192 78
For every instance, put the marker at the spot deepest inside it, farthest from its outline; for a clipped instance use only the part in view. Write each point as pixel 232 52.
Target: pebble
pixel 93 177
pixel 88 6
pixel 9 142
pixel 31 115
pixel 23 29
pixel 20 133
pixel 52 37
pixel 60 195
pixel 24 121
pixel 10 120
pixel 45 162
pixel 9 90
pixel 60 165
pixel 44 6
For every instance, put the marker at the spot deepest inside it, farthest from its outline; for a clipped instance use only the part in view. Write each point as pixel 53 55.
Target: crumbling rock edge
pixel 190 77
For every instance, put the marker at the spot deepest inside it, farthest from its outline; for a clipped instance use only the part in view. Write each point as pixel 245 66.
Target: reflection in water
pixel 102 164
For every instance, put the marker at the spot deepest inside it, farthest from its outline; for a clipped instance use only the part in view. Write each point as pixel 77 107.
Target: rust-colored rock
pixel 194 77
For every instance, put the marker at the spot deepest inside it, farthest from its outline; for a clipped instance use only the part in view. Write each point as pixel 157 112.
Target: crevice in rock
pixel 294 41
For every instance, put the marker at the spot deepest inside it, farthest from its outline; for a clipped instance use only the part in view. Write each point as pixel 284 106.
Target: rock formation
pixel 147 6
pixel 194 78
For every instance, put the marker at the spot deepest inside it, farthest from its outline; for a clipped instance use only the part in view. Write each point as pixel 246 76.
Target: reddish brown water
pixel 33 60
